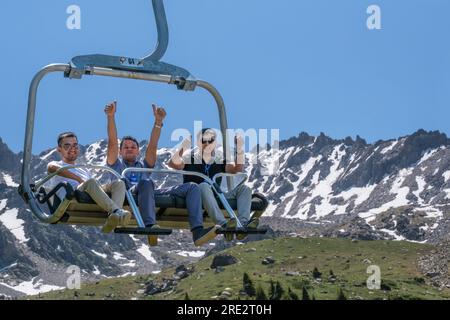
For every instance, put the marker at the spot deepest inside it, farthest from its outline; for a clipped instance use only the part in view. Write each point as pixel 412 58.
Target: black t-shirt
pixel 209 170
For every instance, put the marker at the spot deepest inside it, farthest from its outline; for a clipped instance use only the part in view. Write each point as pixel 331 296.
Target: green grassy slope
pixel 295 260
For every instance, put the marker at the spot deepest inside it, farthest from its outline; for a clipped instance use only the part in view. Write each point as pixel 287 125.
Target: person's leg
pixel 210 204
pixel 145 191
pixel 243 195
pixel 117 190
pixel 191 192
pixel 115 214
pixel 93 188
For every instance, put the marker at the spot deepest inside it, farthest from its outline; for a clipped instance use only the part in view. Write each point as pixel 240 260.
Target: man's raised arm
pixel 113 144
pixel 176 161
pixel 151 154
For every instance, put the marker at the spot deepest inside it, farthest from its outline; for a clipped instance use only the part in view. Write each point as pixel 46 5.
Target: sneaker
pixel 253 224
pixel 125 217
pixel 202 235
pixel 230 225
pixel 112 222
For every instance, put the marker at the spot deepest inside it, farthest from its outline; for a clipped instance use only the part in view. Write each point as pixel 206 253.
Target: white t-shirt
pixel 83 173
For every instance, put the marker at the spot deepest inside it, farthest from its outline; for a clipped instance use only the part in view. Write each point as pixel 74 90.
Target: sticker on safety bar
pixel 131 62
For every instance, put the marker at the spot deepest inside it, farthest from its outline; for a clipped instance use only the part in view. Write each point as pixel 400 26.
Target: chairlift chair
pixel 77 208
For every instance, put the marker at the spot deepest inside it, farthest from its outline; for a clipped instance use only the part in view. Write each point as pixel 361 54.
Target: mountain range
pixel 396 189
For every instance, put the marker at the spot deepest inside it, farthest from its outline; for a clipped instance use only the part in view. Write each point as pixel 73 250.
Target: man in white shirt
pixel 82 180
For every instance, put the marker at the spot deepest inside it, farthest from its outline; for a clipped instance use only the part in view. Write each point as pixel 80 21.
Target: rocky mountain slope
pixel 395 189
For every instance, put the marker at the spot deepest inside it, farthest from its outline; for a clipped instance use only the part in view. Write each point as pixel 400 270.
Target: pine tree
pixel 292 295
pixel 341 295
pixel 305 294
pixel 260 294
pixel 316 274
pixel 277 291
pixel 249 288
pixel 272 290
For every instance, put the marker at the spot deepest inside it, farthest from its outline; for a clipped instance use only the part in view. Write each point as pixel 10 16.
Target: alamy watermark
pixel 374 281
pixel 261 146
pixel 73 22
pixel 74 279
pixel 374 20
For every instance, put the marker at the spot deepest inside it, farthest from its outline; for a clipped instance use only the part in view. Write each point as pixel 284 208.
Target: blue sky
pixel 309 65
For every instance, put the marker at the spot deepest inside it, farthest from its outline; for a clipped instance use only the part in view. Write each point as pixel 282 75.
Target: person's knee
pixel 118 185
pixel 205 188
pixel 193 188
pixel 91 183
pixel 147 185
pixel 245 190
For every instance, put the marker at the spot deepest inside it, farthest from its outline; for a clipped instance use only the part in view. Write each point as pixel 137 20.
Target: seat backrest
pixel 51 198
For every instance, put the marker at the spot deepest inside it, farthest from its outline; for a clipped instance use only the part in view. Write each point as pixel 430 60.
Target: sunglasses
pixel 211 141
pixel 69 146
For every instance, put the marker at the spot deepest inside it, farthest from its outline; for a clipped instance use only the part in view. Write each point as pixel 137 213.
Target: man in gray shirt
pixel 126 155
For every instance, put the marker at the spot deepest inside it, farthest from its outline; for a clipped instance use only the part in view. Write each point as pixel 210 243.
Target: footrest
pixel 241 231
pixel 144 231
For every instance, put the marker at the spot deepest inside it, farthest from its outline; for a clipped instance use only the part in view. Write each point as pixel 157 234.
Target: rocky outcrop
pixel 223 260
pixel 435 265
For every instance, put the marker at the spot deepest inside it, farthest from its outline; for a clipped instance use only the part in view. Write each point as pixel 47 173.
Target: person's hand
pixel 187 143
pixel 110 109
pixel 159 113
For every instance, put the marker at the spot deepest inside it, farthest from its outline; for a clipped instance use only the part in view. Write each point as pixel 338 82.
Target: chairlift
pixel 78 208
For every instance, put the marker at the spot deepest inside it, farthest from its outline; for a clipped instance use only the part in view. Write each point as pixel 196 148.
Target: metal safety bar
pixel 231 175
pixel 215 187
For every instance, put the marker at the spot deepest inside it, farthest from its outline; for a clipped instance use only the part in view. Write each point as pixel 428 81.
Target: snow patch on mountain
pixel 146 253
pixel 49 154
pixel 446 175
pixel 398 190
pixel 428 155
pixel 104 256
pixel 95 154
pixel 9 181
pixel 192 254
pixel 15 225
pixel 389 148
pixel 32 287
pixel 3 204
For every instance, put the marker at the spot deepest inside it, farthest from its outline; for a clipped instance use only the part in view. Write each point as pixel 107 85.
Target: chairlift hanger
pixel 148 68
